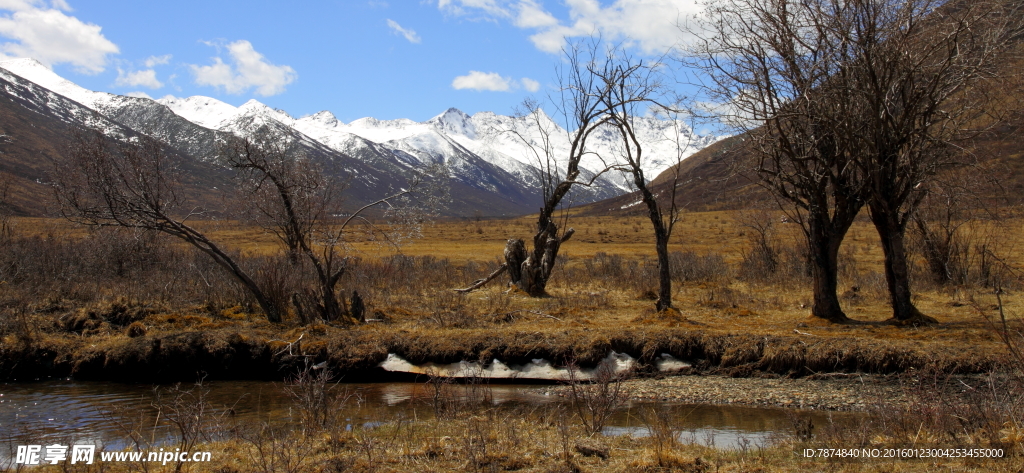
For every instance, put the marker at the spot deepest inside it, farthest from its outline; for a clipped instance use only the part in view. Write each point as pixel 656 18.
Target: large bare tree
pixel 774 65
pixel 854 102
pixel 917 73
pixel 295 199
pixel 136 185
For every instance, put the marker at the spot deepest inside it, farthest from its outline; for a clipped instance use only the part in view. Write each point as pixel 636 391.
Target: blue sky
pixel 385 59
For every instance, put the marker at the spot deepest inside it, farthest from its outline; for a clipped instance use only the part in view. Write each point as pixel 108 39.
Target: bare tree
pixel 632 89
pixel 580 102
pixel 857 102
pixel 136 185
pixel 774 65
pixel 916 72
pixel 941 222
pixel 300 203
pixel 763 259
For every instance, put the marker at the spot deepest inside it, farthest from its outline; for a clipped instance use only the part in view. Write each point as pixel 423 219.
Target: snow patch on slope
pixel 206 112
pixel 36 72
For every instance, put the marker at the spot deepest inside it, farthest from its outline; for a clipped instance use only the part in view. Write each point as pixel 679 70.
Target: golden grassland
pixel 765 305
pixel 600 300
pixel 721 318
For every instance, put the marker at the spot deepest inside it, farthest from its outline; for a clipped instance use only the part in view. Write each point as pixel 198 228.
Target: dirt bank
pixel 262 351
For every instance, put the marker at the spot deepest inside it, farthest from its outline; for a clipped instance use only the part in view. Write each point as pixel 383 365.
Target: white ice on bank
pixel 536 369
pixel 667 363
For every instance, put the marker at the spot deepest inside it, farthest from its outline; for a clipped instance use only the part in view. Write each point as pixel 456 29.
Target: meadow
pixel 114 304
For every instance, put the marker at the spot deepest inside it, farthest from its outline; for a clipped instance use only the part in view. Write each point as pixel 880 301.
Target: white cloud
pixel 139 94
pixel 651 25
pixel 409 34
pixel 492 8
pixel 158 60
pixel 530 84
pixel 248 70
pixel 17 5
pixel 494 82
pixel 531 15
pixel 143 78
pixel 20 5
pixel 52 37
pixel 477 80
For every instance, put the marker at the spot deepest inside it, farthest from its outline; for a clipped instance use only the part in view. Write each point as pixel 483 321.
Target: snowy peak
pixel 212 113
pixel 454 121
pixel 492 158
pixel 323 119
pixel 371 123
pixel 256 108
pixel 382 131
pixel 203 111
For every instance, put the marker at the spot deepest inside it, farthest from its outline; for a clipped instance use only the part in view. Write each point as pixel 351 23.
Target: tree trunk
pixel 825 235
pixel 661 236
pixel 332 309
pixel 664 271
pixel 268 308
pixel 825 274
pixel 358 308
pixel 897 275
pixel 200 242
pixel 530 273
pixel 661 233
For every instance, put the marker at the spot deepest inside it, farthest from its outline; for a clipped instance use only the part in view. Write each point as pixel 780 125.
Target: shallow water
pixel 101 413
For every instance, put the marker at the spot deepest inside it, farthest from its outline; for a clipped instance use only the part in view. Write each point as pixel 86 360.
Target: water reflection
pixel 98 412
pixel 730 427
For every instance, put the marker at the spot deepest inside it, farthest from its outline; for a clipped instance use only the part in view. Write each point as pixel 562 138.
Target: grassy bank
pixel 177 347
pixel 116 304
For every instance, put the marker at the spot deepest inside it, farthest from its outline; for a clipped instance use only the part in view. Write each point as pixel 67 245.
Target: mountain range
pixel 492 159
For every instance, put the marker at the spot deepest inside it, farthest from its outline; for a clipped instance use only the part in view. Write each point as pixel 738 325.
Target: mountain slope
pixel 492 159
pixel 722 177
pixel 36 123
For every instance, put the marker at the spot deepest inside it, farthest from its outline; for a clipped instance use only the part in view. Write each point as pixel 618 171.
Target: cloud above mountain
pixel 494 82
pixel 246 70
pixel 42 30
pixel 143 78
pixel 651 25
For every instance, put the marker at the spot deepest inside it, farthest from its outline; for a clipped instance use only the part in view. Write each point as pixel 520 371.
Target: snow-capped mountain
pixel 47 101
pixel 493 159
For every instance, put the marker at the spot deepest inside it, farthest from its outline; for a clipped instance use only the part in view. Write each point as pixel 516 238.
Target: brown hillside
pixel 715 178
pixel 722 177
pixel 27 151
pixel 33 138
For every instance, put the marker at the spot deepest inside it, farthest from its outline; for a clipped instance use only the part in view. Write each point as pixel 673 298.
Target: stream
pixel 100 413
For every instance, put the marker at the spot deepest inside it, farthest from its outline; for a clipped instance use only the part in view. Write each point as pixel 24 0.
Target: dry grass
pixel 115 305
pixel 139 300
